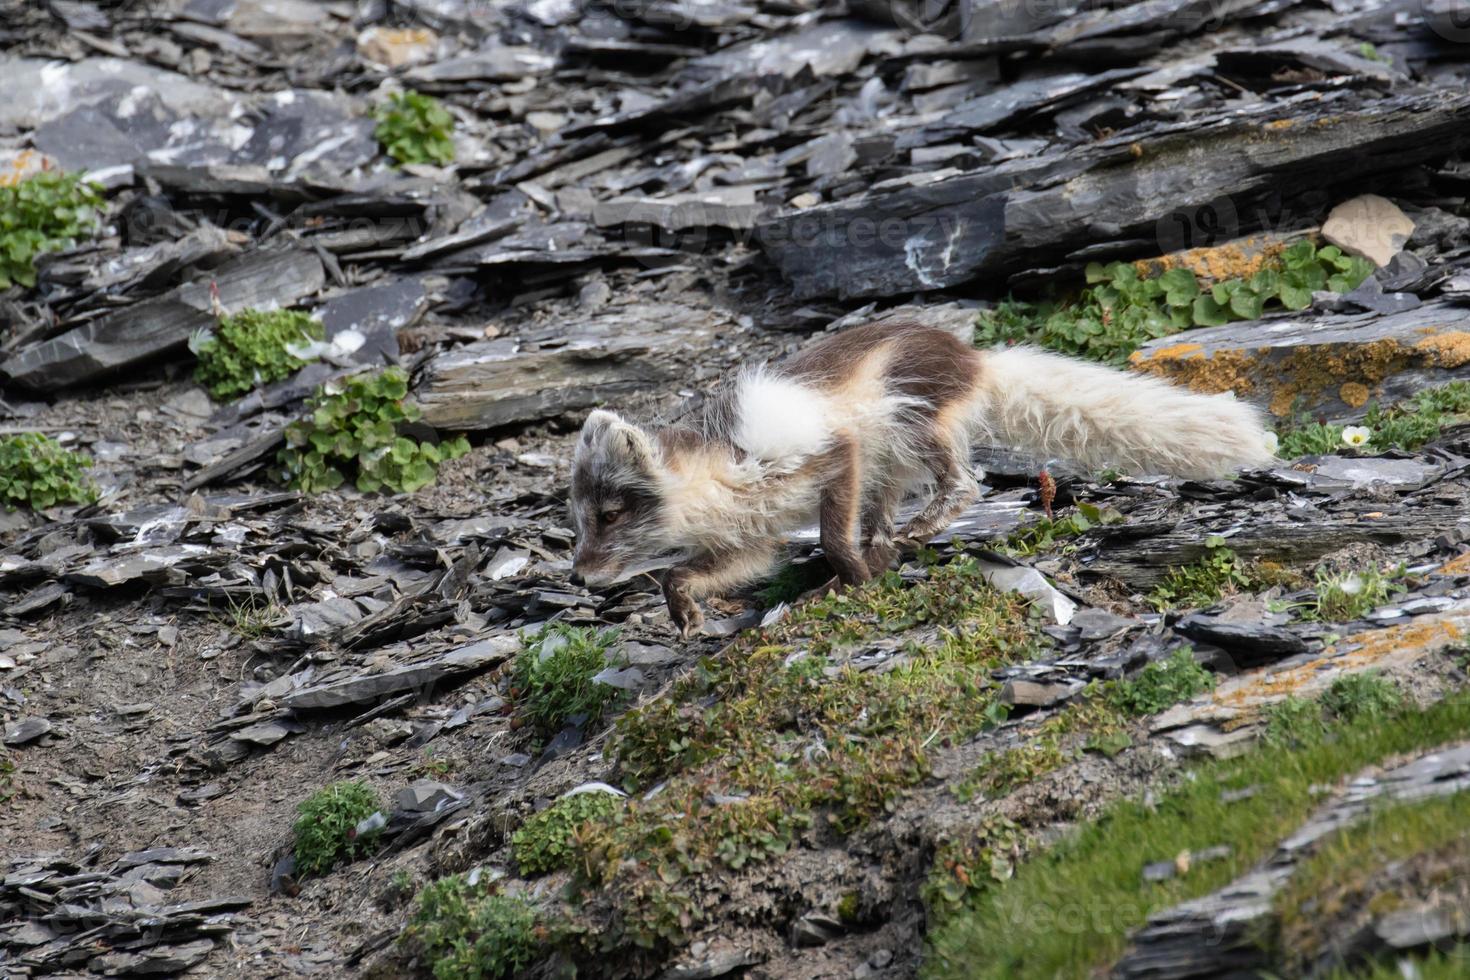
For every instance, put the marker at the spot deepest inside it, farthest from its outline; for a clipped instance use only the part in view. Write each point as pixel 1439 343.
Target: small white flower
pixel 1356 435
pixel 1273 444
pixel 1351 585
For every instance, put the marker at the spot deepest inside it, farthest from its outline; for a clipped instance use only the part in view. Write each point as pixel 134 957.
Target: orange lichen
pixel 1368 649
pixel 1353 394
pixel 1225 370
pixel 1280 124
pixel 1456 566
pixel 1171 352
pixel 1237 259
pixel 1449 350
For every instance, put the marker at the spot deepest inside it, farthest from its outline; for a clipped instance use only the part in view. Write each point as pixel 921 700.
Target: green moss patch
pixel 1221 572
pixel 1346 872
pixel 1068 912
pixel 248 349
pixel 784 733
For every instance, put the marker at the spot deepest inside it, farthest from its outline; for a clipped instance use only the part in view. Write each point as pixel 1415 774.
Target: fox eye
pixel 611 515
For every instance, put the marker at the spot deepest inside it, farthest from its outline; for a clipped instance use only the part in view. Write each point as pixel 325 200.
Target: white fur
pixel 1058 406
pixel 778 419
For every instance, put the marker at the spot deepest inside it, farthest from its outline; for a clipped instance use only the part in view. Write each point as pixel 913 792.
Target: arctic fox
pixel 840 433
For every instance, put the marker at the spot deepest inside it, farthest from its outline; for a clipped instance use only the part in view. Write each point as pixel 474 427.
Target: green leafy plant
pixel 966 868
pixel 249 349
pixel 1044 534
pixel 46 212
pixel 544 842
pixel 1161 684
pixel 468 932
pixel 415 128
pixel 326 826
pixel 36 471
pixel 552 677
pixel 1406 425
pixel 1120 310
pixel 352 424
pixel 1220 571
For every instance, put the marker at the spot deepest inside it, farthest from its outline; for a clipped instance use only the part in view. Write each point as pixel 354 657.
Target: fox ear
pixel 621 439
pixel 632 445
pixel 597 425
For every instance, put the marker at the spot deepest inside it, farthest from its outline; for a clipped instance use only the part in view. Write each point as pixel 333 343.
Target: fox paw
pixel 687 617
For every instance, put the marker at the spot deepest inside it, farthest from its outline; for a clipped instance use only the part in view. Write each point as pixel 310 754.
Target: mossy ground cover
pixel 1067 912
pixel 1346 873
pixel 782 734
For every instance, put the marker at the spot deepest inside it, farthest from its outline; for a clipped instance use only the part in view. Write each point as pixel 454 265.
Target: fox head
pixel 616 502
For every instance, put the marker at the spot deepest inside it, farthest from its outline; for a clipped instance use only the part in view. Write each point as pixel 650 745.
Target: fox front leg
pixel 684 609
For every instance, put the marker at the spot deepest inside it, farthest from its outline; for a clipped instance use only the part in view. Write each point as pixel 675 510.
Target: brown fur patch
pixel 918 361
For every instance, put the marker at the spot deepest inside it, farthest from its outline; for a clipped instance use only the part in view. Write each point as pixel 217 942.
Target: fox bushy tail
pixel 1059 407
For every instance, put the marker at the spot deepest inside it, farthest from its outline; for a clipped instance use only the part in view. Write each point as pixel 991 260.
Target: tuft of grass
pixel 1294 721
pixel 415 128
pixel 38 472
pixel 7 778
pixel 552 677
pixel 351 425
pixel 1353 595
pixel 469 932
pixel 1120 310
pixel 248 350
pixel 1346 872
pixel 326 826
pixel 1161 684
pixel 45 212
pixel 1363 696
pixel 254 617
pixel 1406 425
pixel 545 841
pixel 1069 912
pixel 1001 772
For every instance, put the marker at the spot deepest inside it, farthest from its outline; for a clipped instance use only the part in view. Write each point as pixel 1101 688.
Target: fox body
pixel 842 432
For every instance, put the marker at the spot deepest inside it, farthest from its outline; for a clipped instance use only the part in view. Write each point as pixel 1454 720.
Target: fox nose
pixel 577 579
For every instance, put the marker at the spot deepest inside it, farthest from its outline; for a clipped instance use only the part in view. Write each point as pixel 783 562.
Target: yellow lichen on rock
pixel 1450 349
pixel 1225 370
pixel 1370 649
pixel 1354 394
